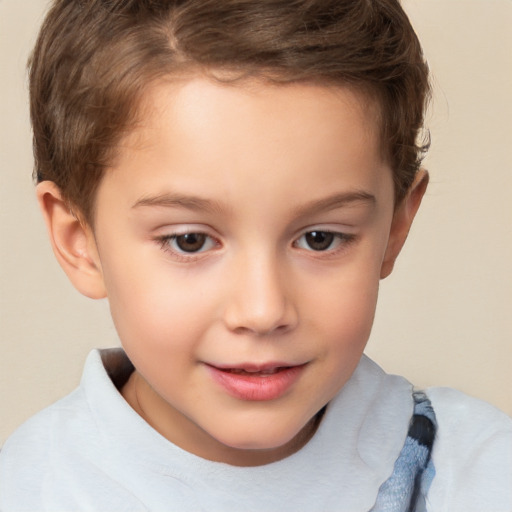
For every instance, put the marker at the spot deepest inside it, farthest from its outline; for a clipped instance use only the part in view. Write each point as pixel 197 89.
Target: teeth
pixel 239 371
pixel 270 372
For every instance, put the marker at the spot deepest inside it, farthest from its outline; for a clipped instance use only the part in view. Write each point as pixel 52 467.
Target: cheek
pixel 344 302
pixel 152 307
pixel 158 329
pixel 343 323
pixel 347 323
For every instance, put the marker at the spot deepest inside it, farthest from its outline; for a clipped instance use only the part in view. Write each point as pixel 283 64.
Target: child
pixel 236 177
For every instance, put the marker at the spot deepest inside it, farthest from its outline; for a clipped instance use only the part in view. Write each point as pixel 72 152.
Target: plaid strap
pixel 406 489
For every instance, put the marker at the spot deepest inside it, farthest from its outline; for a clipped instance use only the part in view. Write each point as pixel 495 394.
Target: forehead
pixel 193 100
pixel 200 135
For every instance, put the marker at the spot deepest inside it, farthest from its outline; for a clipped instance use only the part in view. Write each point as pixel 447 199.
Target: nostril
pixel 259 331
pixel 259 303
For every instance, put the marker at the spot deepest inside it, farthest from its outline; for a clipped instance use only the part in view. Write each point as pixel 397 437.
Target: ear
pixel 402 221
pixel 72 242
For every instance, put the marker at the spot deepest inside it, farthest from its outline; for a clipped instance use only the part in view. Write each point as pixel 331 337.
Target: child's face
pixel 244 228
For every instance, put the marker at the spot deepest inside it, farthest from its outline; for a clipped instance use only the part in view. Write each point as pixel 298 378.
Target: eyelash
pixel 342 240
pixel 166 242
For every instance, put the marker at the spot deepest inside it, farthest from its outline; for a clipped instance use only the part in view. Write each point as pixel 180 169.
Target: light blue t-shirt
pixel 91 451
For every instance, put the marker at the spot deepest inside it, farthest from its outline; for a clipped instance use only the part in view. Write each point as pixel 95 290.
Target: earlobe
pixel 72 242
pixel 402 221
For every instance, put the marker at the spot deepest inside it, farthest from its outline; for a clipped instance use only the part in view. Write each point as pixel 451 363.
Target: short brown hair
pixel 94 59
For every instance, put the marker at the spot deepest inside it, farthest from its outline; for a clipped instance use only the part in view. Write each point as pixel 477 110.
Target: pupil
pixel 319 240
pixel 191 242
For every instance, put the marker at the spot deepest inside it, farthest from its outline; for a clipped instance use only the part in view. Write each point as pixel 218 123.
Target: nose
pixel 260 302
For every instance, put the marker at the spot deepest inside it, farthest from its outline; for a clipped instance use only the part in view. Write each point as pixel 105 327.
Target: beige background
pixel 445 316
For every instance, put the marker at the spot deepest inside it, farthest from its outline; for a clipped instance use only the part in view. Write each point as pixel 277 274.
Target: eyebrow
pixel 198 204
pixel 169 200
pixel 335 201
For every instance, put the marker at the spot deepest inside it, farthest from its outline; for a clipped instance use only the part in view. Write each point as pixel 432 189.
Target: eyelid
pixel 171 233
pixel 328 227
pixel 345 238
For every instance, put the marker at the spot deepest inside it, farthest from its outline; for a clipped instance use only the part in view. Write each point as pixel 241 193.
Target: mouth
pixel 255 372
pixel 257 382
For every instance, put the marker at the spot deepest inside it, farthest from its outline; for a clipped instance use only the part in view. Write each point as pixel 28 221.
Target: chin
pixel 264 437
pixel 257 444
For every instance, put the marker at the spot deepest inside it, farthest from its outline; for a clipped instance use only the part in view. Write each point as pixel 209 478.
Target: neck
pixel 189 436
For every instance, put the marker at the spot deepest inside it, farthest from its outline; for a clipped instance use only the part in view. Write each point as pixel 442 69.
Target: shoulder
pixel 38 434
pixel 472 454
pixel 59 459
pixel 481 419
pixel 27 460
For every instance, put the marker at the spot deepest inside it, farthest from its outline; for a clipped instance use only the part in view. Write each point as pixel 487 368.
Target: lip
pixel 253 382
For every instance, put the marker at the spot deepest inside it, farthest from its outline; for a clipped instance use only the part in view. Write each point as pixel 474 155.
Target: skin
pixel 255 167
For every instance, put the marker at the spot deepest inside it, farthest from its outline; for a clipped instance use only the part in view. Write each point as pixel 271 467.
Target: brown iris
pixel 191 242
pixel 319 240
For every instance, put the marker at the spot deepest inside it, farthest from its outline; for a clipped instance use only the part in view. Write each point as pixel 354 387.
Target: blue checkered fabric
pixel 406 489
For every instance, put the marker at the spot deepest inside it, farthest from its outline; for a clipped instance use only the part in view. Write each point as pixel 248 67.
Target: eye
pixel 188 243
pixel 322 240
